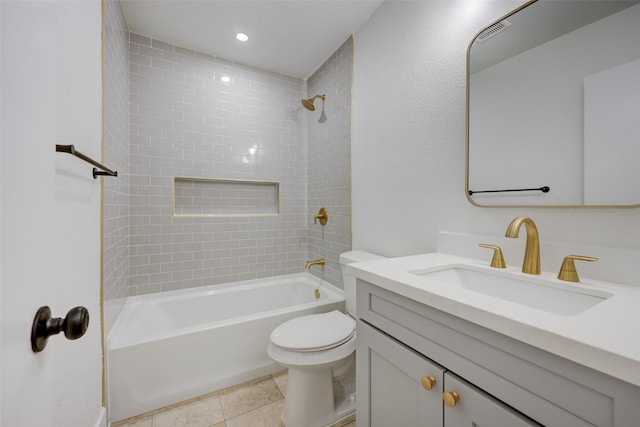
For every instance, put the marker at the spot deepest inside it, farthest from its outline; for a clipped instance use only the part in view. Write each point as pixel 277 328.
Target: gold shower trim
pixel 102 343
pixel 308 103
pixel 353 61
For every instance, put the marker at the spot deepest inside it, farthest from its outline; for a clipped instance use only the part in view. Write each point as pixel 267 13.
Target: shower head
pixel 308 103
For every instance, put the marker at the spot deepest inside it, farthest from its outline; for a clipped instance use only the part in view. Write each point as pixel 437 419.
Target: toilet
pixel 319 351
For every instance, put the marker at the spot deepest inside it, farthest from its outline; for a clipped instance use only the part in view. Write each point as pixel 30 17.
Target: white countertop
pixel 605 337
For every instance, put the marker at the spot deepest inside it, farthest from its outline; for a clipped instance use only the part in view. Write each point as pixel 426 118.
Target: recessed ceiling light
pixel 242 37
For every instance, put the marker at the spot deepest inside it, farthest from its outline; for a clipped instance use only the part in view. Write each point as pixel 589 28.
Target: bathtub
pixel 173 346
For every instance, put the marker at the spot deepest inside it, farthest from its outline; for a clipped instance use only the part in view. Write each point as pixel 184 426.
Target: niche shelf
pixel 214 197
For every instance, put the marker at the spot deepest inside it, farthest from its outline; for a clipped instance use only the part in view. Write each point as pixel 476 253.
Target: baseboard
pixel 102 418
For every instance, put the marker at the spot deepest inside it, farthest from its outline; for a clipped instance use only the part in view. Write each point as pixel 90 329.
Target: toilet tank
pixel 348 280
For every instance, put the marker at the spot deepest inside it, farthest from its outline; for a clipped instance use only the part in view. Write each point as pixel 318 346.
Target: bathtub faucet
pixel 316 262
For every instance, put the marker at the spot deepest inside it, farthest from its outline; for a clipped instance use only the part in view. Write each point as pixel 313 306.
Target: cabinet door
pixel 390 383
pixel 473 407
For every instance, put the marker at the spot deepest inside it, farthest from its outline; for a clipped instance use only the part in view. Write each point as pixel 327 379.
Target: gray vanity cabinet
pixel 394 390
pixel 476 408
pixel 400 387
pixel 500 381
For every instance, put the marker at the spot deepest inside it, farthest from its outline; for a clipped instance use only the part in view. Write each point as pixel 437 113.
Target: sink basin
pixel 535 292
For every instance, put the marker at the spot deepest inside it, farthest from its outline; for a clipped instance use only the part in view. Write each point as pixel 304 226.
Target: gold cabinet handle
pixel 451 398
pixel 498 259
pixel 568 269
pixel 322 215
pixel 428 382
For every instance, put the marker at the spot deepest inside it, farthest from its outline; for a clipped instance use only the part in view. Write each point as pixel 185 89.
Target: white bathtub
pixel 169 347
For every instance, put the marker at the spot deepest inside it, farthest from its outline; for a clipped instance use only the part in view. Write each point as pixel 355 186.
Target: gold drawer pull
pixel 451 398
pixel 428 382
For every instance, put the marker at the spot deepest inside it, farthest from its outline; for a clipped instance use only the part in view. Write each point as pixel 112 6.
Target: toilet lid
pixel 314 332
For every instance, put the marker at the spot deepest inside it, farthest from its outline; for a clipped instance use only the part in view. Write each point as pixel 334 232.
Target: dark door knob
pixel 74 325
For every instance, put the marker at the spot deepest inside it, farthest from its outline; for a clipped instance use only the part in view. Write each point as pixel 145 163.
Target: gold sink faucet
pixel 531 263
pixel 316 262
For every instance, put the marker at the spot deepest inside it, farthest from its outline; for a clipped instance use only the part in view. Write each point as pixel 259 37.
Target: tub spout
pixel 316 262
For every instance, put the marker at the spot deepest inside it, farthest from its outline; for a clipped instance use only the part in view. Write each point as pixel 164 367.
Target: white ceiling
pixel 293 37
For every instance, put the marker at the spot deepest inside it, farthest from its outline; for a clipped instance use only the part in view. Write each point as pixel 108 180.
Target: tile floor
pixel 256 403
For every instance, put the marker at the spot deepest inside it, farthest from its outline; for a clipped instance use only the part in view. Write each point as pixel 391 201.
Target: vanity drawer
pixel 551 390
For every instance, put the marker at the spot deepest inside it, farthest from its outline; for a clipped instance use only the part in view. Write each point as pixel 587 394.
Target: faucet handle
pixel 568 269
pixel 498 259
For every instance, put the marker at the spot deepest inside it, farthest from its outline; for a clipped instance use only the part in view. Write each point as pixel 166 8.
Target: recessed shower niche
pixel 209 197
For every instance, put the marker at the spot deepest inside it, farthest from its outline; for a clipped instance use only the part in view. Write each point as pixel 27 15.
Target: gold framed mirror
pixel 553 106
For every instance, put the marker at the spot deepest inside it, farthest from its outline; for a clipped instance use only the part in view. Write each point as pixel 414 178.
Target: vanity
pixel 435 351
pixel 446 339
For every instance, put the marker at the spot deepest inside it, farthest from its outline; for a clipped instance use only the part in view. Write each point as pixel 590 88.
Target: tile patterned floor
pixel 256 403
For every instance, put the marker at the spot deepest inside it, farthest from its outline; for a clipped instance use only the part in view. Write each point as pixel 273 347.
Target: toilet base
pixel 316 406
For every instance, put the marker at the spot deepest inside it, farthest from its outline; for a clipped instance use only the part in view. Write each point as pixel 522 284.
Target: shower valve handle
pixel 322 215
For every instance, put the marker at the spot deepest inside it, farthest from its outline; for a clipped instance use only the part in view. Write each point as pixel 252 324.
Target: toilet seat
pixel 314 332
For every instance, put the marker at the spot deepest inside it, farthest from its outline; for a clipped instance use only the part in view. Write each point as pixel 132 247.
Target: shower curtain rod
pixel 72 150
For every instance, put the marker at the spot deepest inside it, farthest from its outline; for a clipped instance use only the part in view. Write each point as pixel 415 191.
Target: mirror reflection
pixel 554 104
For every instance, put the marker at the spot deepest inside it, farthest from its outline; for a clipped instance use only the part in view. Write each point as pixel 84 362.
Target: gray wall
pixel 186 121
pixel 408 128
pixel 329 162
pixel 116 156
pixel 168 113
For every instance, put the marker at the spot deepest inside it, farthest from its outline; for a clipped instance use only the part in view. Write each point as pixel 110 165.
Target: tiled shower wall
pixel 186 120
pixel 116 156
pixel 329 166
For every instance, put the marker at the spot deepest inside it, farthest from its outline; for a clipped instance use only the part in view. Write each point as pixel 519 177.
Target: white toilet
pixel 319 351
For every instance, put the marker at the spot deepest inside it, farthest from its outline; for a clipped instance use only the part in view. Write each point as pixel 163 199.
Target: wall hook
pixel 74 325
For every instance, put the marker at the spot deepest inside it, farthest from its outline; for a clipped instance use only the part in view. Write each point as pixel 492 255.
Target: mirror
pixel 553 106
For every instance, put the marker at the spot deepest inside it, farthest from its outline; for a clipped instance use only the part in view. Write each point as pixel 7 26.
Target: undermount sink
pixel 533 292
